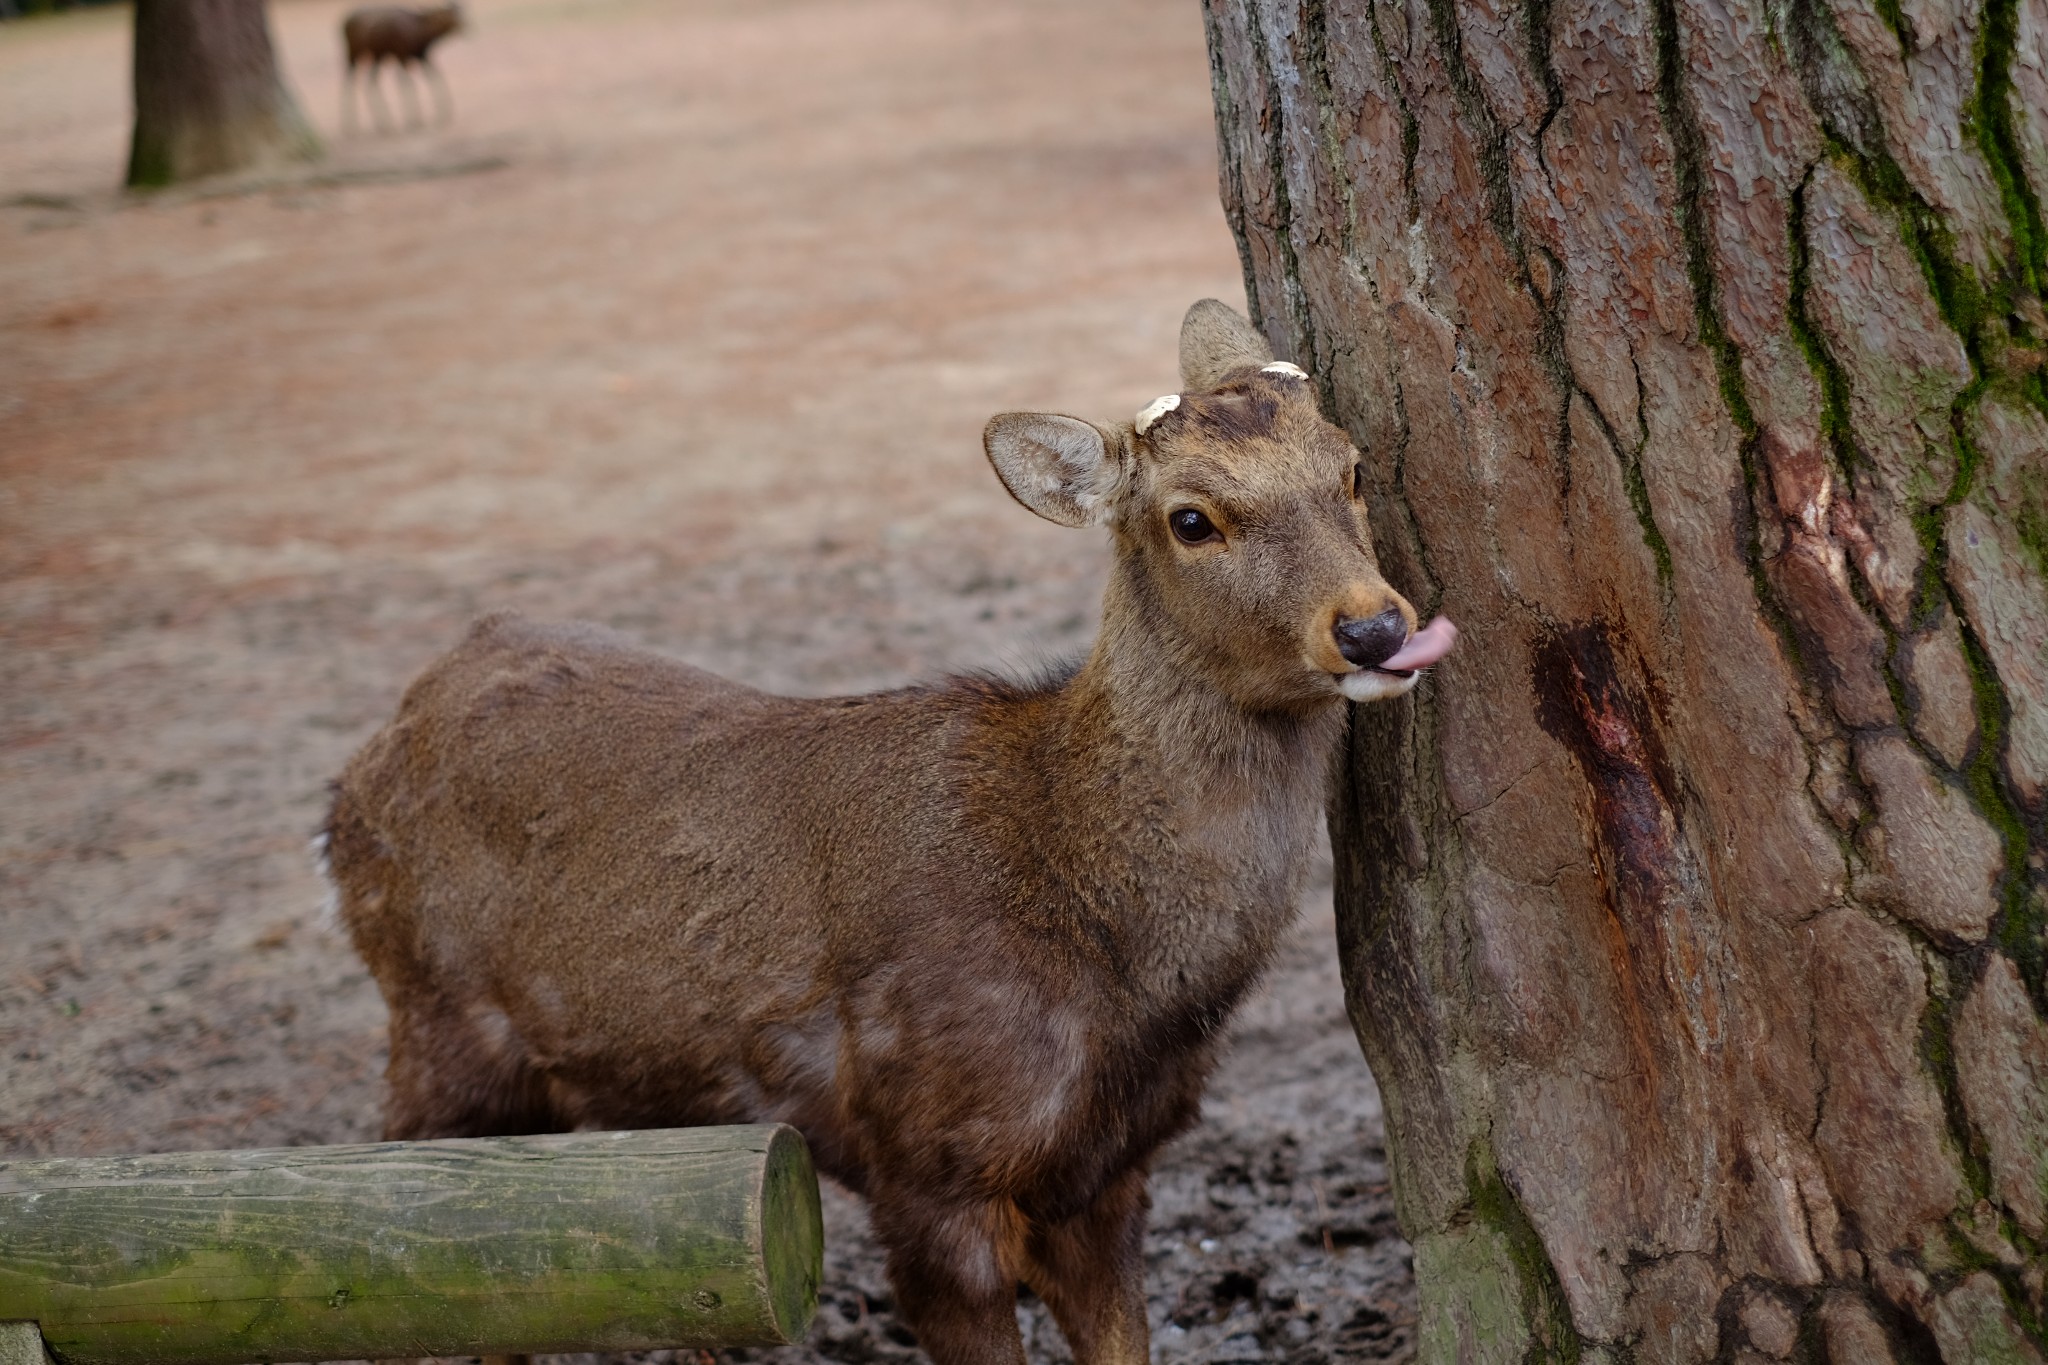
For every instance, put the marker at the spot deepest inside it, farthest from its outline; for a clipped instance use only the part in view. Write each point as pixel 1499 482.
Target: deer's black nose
pixel 1371 640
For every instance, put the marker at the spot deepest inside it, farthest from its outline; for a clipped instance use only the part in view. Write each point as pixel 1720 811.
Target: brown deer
pixel 976 939
pixel 405 36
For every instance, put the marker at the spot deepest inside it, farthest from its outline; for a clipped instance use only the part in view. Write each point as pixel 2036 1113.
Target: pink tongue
pixel 1424 647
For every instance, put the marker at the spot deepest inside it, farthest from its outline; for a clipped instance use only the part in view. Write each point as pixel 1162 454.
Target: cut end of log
pixel 792 1234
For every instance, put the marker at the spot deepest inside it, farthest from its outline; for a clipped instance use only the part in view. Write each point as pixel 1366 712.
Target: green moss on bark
pixel 2021 930
pixel 1835 423
pixel 1545 1311
pixel 1938 1056
pixel 1999 141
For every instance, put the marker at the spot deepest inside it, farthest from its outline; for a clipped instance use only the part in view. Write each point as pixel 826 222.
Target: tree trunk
pixel 208 97
pixel 1693 915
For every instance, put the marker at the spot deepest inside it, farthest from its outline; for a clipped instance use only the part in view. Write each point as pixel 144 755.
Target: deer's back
pixel 563 775
pixel 387 30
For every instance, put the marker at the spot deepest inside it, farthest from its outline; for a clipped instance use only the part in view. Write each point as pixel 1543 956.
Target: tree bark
pixel 1692 915
pixel 208 97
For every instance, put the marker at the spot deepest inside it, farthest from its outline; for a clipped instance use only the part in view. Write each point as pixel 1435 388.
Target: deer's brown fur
pixel 976 939
pixel 398 34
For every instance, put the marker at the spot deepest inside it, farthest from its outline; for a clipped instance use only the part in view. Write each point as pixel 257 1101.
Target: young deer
pixel 976 939
pixel 389 32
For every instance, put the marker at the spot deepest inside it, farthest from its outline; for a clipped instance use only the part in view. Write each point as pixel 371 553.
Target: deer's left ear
pixel 1062 468
pixel 1214 340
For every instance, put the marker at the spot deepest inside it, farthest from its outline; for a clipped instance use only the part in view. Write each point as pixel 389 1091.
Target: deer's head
pixel 1240 525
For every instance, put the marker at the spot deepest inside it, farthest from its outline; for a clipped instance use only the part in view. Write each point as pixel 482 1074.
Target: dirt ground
pixel 688 323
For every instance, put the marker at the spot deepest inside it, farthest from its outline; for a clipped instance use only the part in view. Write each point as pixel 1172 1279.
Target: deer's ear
pixel 1062 468
pixel 1214 340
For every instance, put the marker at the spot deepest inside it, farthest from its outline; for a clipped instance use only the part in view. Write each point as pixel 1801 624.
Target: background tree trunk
pixel 1693 914
pixel 208 97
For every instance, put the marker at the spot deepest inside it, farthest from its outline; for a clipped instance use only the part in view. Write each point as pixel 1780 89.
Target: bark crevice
pixel 1943 969
pixel 1999 141
pixel 1537 16
pixel 1301 323
pixel 1411 127
pixel 1489 134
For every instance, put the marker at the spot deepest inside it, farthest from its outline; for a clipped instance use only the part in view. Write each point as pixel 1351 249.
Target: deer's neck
pixel 1214 809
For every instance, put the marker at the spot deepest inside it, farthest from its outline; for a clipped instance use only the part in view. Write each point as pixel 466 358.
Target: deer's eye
pixel 1358 480
pixel 1190 527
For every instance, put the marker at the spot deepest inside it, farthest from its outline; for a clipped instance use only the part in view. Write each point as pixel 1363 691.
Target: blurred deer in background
pixel 389 32
pixel 976 939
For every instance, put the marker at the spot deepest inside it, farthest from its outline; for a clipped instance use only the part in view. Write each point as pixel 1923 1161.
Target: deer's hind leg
pixel 1090 1271
pixel 954 1270
pixel 458 1072
pixel 458 1067
pixel 444 100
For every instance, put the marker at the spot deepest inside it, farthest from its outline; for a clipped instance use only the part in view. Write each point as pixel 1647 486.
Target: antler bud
pixel 1155 410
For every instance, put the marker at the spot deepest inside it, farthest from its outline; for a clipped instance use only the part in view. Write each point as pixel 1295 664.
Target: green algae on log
pixel 699 1237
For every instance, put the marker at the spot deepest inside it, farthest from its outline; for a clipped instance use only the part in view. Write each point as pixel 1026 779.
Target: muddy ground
pixel 687 323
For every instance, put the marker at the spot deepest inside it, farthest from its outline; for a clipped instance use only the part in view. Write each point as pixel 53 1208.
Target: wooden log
pixel 570 1242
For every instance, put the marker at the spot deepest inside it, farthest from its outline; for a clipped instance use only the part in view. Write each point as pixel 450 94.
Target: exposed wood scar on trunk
pixel 1649 876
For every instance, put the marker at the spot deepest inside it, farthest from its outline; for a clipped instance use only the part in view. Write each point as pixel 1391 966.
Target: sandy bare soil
pixel 688 323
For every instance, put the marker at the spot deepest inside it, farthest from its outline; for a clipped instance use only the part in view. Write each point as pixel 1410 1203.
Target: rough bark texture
pixel 1693 914
pixel 208 97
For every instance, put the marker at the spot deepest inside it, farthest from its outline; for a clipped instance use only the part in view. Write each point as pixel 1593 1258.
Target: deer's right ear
pixel 1062 468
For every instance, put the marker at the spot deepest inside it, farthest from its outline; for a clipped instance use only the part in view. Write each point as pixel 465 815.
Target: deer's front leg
pixel 954 1268
pixel 1090 1271
pixel 409 87
pixel 374 94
